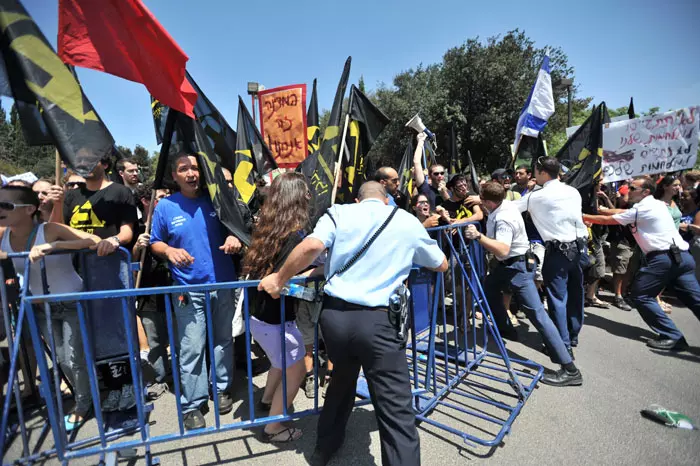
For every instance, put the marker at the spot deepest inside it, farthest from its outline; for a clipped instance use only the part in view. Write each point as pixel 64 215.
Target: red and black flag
pixel 50 101
pixel 365 124
pixel 312 122
pixel 252 155
pixel 123 38
pixel 582 156
pixel 319 167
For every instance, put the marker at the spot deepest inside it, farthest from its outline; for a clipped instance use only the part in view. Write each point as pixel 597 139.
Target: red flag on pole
pixel 123 38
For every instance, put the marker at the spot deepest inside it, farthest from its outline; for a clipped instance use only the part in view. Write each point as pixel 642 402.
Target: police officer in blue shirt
pixel 355 320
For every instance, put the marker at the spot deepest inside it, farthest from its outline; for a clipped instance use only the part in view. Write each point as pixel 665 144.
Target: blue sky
pixel 618 48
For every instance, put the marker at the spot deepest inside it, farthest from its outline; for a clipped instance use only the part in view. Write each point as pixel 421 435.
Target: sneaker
pixel 326 383
pixel 225 403
pixel 128 398
pixel 111 403
pixel 621 304
pixel 194 420
pixel 309 386
pixel 156 390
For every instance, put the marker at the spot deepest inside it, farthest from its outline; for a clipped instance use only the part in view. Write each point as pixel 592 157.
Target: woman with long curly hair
pixel 283 223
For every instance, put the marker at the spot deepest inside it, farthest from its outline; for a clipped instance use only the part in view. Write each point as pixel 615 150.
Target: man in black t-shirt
pixel 108 210
pixel 459 211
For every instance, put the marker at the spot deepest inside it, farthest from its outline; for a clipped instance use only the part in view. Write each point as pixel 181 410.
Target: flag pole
pixel 336 173
pixel 58 169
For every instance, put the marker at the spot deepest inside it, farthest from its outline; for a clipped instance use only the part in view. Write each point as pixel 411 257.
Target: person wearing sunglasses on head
pixel 18 210
pixel 666 262
pixel 436 187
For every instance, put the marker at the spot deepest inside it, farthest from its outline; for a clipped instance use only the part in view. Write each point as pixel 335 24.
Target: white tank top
pixel 60 274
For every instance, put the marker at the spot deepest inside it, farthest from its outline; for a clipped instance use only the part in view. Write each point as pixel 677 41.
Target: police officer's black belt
pixel 513 260
pixel 331 302
pixel 562 246
pixel 653 254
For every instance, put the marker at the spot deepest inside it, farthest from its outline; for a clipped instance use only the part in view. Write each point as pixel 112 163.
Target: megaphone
pixel 417 124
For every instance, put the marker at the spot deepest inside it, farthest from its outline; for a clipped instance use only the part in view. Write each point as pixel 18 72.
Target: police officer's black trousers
pixel 365 339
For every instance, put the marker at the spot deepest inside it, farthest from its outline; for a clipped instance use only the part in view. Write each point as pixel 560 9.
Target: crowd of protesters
pixel 188 245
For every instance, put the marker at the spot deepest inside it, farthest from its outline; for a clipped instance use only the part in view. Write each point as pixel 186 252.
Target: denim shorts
pixel 269 339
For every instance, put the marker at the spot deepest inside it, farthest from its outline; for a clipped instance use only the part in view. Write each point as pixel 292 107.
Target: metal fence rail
pixel 449 362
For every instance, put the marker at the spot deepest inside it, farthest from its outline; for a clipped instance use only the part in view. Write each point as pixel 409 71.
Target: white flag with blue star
pixel 538 107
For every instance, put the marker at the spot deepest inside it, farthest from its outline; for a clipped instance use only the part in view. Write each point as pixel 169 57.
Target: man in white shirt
pixel 507 240
pixel 556 212
pixel 667 261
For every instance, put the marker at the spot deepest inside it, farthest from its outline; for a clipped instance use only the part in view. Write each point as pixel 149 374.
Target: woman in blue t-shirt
pixel 283 223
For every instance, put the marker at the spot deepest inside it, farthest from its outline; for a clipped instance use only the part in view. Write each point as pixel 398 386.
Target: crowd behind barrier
pixel 439 364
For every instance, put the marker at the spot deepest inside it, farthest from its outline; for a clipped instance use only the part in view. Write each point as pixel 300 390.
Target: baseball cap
pixel 501 173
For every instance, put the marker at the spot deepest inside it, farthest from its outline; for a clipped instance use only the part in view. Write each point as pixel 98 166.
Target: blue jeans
pixel 563 280
pixel 516 279
pixel 660 272
pixel 192 345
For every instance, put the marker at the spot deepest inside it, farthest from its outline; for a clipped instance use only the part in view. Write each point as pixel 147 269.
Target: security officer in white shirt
pixel 667 261
pixel 355 322
pixel 507 240
pixel 556 212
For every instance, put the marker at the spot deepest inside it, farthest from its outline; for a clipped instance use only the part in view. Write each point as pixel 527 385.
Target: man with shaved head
pixel 389 179
pixel 372 248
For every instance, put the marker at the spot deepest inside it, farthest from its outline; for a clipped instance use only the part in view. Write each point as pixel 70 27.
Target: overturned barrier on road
pixel 458 384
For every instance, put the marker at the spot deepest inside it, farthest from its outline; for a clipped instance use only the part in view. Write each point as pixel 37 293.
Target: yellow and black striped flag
pixel 319 167
pixel 51 103
pixel 366 123
pixel 405 175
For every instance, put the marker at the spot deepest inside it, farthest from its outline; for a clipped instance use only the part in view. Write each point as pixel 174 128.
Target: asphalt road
pixel 598 423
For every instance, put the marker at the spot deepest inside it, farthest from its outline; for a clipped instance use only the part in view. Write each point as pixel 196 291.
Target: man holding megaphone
pixel 434 189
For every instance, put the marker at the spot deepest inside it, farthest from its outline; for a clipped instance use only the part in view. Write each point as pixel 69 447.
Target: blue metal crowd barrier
pixel 440 370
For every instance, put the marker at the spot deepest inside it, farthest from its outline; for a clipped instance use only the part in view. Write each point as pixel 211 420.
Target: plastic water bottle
pixel 299 292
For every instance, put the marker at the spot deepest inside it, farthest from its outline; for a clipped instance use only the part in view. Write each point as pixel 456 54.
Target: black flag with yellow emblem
pixel 319 167
pixel 49 98
pixel 582 156
pixel 252 155
pixel 182 134
pixel 405 174
pixel 313 128
pixel 366 123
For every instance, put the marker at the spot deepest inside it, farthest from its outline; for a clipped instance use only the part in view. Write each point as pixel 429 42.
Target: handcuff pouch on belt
pixel 570 249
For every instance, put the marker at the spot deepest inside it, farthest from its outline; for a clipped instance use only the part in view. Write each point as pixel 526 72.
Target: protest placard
pixel 283 123
pixel 665 142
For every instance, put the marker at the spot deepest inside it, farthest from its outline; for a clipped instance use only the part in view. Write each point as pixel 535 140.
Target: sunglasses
pixel 12 206
pixel 437 173
pixel 75 184
pixel 635 188
pixel 422 202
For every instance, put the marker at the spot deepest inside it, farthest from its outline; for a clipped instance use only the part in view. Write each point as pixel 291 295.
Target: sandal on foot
pixel 595 302
pixel 288 435
pixel 72 425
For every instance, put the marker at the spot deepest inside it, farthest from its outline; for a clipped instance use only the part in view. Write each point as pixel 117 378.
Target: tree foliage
pixel 481 87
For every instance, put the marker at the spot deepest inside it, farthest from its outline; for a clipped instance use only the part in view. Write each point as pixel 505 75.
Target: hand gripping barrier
pixel 463 380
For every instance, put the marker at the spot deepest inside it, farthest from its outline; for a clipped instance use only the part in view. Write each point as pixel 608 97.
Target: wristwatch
pixel 119 243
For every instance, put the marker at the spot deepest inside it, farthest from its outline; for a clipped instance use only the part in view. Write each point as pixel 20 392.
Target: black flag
pixel 366 123
pixel 476 187
pixel 630 110
pixel 312 122
pixel 252 155
pixel 405 176
pixel 49 99
pixel 319 167
pixel 583 155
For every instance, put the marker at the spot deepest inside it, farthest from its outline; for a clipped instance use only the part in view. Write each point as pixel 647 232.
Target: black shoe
pixel 509 333
pixel 194 420
pixel 571 353
pixel 574 342
pixel 668 344
pixel 621 304
pixel 320 458
pixel 563 378
pixel 225 403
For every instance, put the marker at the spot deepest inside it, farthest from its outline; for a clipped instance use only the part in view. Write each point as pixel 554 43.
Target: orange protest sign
pixel 283 123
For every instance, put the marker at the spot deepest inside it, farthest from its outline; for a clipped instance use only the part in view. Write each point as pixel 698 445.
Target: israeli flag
pixel 539 106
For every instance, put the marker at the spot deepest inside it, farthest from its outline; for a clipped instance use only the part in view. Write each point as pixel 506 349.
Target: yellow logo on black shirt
pixel 84 218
